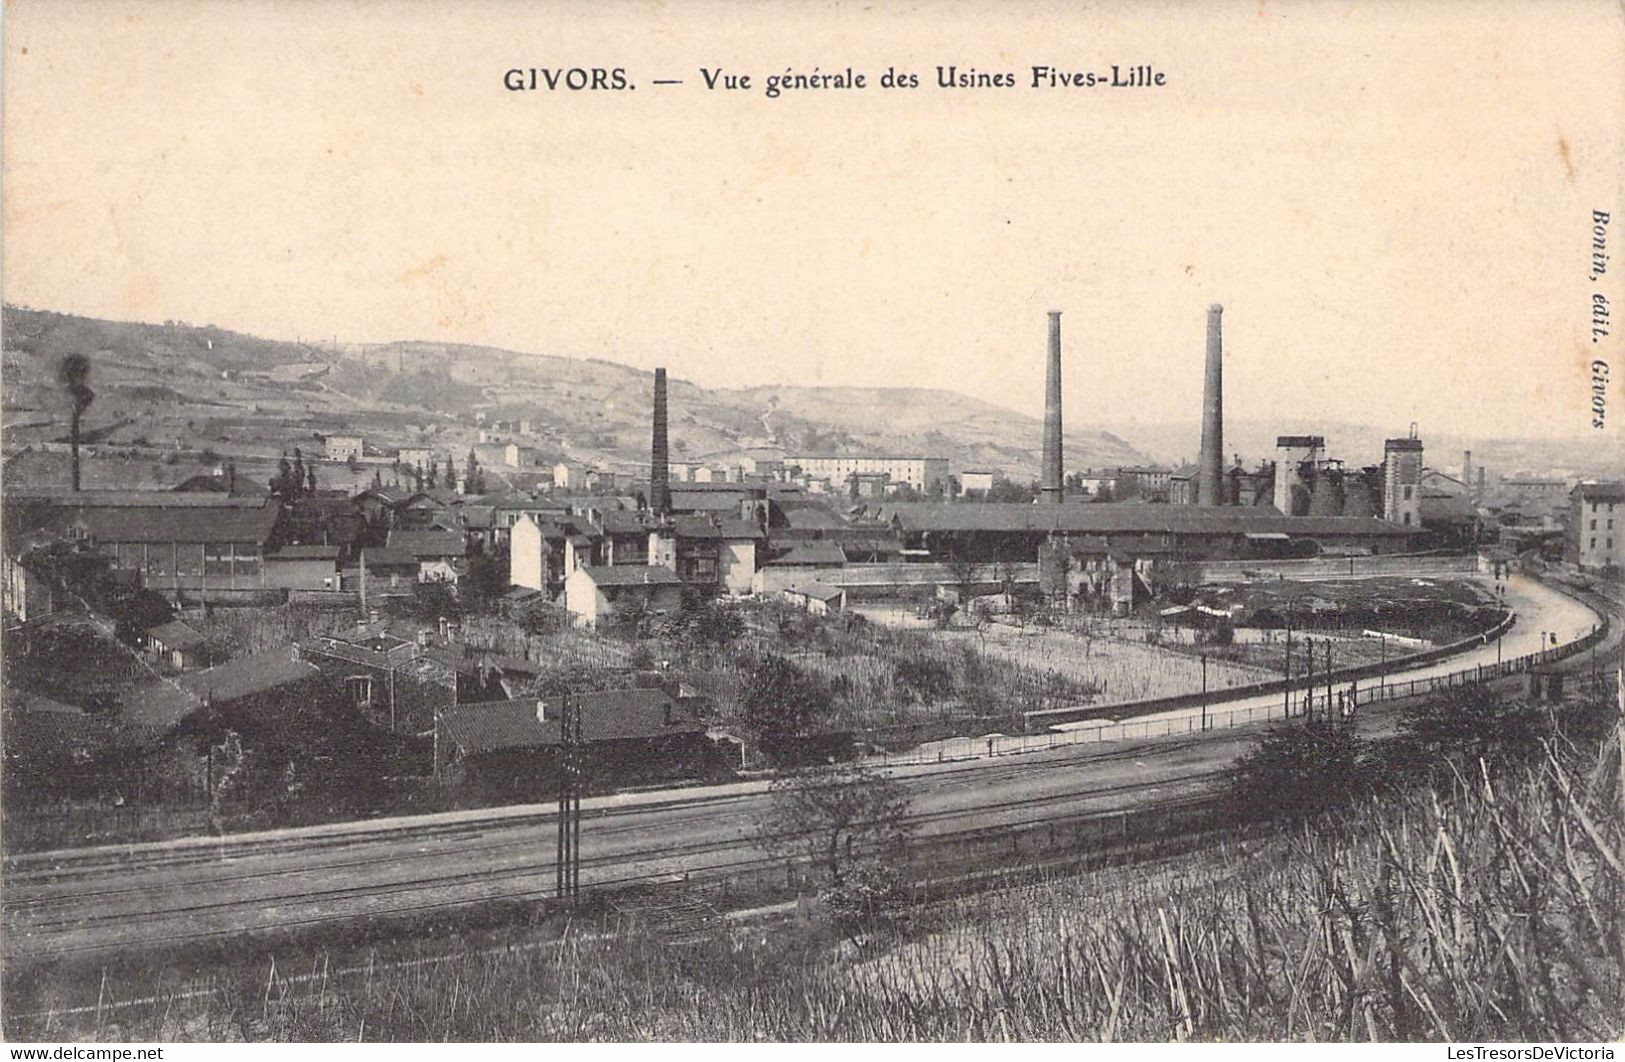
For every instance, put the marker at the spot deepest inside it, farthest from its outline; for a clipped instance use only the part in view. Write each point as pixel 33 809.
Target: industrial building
pixel 178 541
pixel 1013 532
pixel 1327 516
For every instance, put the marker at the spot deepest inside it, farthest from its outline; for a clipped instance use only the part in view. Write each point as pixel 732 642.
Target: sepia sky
pixel 1392 201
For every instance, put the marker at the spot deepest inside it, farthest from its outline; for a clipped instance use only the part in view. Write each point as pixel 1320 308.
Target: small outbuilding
pixel 820 599
pixel 177 645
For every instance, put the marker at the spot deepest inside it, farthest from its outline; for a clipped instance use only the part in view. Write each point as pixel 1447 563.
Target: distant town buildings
pixel 974 481
pixel 924 474
pixel 345 448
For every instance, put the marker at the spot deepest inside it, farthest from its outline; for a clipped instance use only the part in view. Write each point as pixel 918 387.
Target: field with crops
pixel 1122 667
pixel 874 676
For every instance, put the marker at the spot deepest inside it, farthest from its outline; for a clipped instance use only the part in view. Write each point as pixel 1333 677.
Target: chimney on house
pixel 1467 470
pixel 1051 487
pixel 1209 465
pixel 659 461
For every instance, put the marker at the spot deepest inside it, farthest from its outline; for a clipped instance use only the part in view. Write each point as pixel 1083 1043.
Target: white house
pixel 344 447
pixel 415 456
pixel 975 480
pixel 593 594
pixel 527 554
pixel 516 456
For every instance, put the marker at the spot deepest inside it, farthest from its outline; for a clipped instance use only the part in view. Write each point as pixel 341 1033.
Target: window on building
pixel 360 690
pixel 1593 525
pixel 1407 497
pixel 1593 544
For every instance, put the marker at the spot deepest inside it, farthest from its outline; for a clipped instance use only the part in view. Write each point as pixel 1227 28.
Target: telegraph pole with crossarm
pixel 567 867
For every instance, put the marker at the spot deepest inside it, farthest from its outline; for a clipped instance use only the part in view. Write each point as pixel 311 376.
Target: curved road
pixel 127 896
pixel 1539 610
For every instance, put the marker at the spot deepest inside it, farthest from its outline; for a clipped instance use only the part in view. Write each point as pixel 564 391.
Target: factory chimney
pixel 659 466
pixel 1051 486
pixel 1210 464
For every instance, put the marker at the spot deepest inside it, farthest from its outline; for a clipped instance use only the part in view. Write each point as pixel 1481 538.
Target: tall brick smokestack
pixel 1210 465
pixel 1051 487
pixel 659 463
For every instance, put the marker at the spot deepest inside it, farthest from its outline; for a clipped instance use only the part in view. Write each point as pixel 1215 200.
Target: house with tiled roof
pixel 440 554
pixel 632 733
pixel 594 594
pixel 266 681
pixel 177 645
pixel 712 553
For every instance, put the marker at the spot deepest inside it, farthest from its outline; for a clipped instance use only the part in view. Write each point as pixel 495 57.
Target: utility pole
pixel 567 866
pixel 1309 687
pixel 1328 680
pixel 1204 693
pixel 1286 693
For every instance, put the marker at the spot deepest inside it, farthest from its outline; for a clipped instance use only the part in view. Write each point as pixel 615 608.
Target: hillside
pixel 173 397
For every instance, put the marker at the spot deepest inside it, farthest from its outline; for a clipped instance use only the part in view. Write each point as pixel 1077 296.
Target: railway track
pixel 77 913
pixel 78 902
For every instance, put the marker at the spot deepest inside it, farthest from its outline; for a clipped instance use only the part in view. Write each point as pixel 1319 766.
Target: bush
pixel 780 700
pixel 1301 769
pixel 1470 723
pixel 870 895
pixel 924 678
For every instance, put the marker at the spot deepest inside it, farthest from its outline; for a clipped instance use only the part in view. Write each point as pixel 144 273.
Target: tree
pixel 451 474
pixel 282 483
pixel 74 375
pixel 712 623
pixel 836 816
pixel 1301 769
pixel 1005 490
pixel 1469 723
pixel 780 701
pixel 1176 579
pixel 966 574
pixel 487 578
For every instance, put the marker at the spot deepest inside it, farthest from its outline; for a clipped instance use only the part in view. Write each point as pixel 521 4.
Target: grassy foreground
pixel 1485 907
